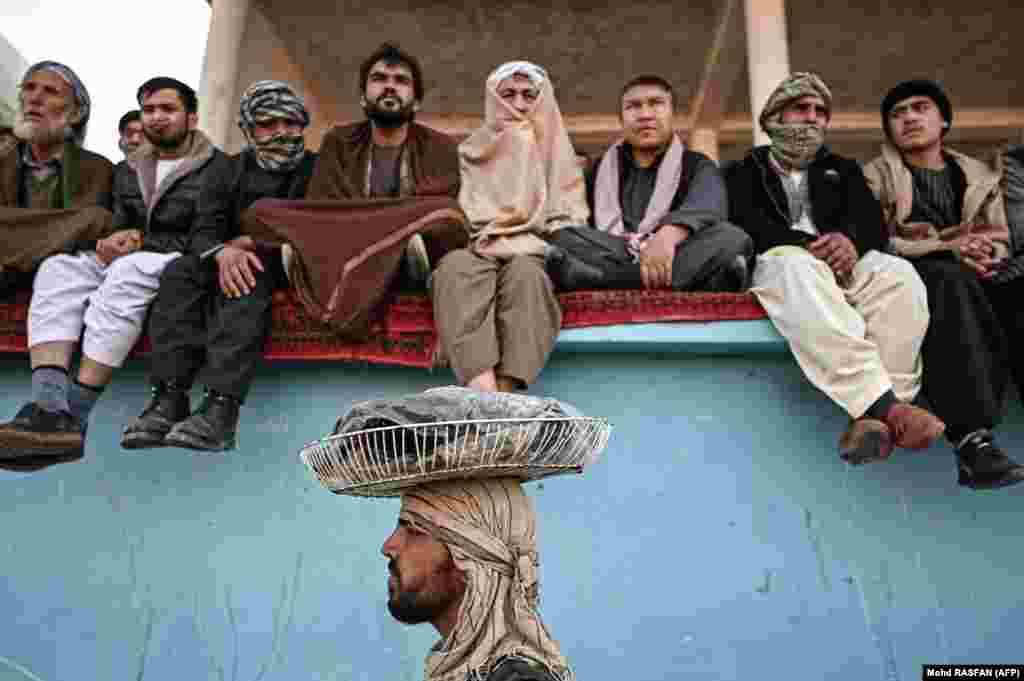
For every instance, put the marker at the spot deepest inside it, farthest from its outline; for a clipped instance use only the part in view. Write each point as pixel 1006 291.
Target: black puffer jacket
pixel 168 215
pixel 231 189
pixel 840 202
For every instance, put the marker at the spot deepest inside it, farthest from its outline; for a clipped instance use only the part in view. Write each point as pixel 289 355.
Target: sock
pixel 82 398
pixel 50 388
pixel 881 407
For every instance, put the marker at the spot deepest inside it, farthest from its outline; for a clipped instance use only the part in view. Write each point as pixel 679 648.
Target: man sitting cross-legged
pixel 102 296
pixel 54 195
pixel 659 209
pixel 854 317
pixel 212 310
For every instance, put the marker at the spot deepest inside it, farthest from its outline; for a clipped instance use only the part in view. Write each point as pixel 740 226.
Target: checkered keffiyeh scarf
pixel 794 144
pixel 82 98
pixel 266 99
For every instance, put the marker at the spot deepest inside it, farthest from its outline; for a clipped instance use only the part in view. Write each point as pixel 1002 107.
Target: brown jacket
pixel 983 210
pixel 29 235
pixel 349 245
pixel 430 164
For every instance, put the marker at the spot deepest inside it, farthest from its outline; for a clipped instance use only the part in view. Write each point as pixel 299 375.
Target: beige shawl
pixel 489 526
pixel 519 173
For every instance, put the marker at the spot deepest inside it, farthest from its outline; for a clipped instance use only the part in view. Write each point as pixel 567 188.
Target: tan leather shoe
pixel 866 440
pixel 913 427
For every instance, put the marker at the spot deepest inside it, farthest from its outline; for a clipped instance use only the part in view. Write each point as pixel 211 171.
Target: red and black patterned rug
pixel 407 337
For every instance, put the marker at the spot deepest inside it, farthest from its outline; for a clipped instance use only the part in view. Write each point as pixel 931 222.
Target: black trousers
pixel 195 328
pixel 966 350
pixel 704 262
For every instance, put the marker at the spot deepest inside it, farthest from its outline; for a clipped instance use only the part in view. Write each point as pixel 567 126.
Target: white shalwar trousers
pixel 72 293
pixel 853 343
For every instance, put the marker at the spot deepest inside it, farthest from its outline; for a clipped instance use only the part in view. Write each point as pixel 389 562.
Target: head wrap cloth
pixel 520 178
pixel 273 99
pixel 270 99
pixel 81 94
pixel 794 143
pixel 489 527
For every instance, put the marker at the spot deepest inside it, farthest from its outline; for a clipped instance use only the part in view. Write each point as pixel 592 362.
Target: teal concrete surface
pixel 719 537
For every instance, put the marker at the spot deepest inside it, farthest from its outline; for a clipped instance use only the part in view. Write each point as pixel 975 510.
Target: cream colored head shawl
pixel 520 177
pixel 489 526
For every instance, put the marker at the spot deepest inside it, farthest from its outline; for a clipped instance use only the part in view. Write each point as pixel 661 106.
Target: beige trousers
pixel 495 314
pixel 853 343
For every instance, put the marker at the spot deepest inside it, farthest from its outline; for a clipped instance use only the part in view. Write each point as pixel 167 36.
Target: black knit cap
pixel 917 88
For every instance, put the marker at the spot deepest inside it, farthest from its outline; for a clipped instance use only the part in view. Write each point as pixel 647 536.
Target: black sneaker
pixel 211 428
pixel 168 406
pixel 982 465
pixel 41 435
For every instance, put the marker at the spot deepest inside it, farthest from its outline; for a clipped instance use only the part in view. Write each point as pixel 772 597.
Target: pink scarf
pixel 608 209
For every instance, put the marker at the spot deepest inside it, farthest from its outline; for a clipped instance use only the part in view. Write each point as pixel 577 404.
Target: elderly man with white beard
pixel 54 195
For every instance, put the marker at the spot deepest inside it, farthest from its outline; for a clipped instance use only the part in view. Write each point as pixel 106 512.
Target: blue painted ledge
pixel 701 338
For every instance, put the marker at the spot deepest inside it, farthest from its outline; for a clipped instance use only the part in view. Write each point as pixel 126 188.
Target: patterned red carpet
pixel 407 336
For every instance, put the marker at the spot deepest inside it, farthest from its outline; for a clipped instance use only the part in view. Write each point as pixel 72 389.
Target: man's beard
pixel 415 608
pixel 389 118
pixel 166 142
pixel 42 131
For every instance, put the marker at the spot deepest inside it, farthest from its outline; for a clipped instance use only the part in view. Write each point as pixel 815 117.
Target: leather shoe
pixel 913 427
pixel 865 441
pixel 37 434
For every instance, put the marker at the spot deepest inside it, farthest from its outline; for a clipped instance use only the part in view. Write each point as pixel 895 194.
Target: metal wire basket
pixel 381 462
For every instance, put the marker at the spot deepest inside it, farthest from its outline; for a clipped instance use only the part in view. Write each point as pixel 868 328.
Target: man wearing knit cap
pixel 947 216
pixel 212 312
pixel 54 195
pixel 854 316
pixel 464 558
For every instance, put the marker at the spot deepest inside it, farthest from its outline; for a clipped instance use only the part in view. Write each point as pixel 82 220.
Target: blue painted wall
pixel 719 538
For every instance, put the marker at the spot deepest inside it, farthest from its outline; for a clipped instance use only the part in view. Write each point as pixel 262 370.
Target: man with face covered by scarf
pixel 212 312
pixel 854 317
pixel 464 558
pixel 54 195
pixel 495 307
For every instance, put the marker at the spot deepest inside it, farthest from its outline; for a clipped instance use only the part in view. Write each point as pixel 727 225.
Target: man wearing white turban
pixel 494 304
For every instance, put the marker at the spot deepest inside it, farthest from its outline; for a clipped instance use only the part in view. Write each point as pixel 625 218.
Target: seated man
pixel 212 310
pixel 53 193
pixel 129 132
pixel 105 293
pixel 854 317
pixel 662 207
pixel 494 305
pixel 947 217
pixel 387 172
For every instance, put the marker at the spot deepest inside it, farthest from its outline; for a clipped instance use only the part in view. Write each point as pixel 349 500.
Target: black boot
pixel 168 406
pixel 211 428
pixel 982 465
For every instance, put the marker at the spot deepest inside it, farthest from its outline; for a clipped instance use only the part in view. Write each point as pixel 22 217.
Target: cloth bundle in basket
pixel 381 447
